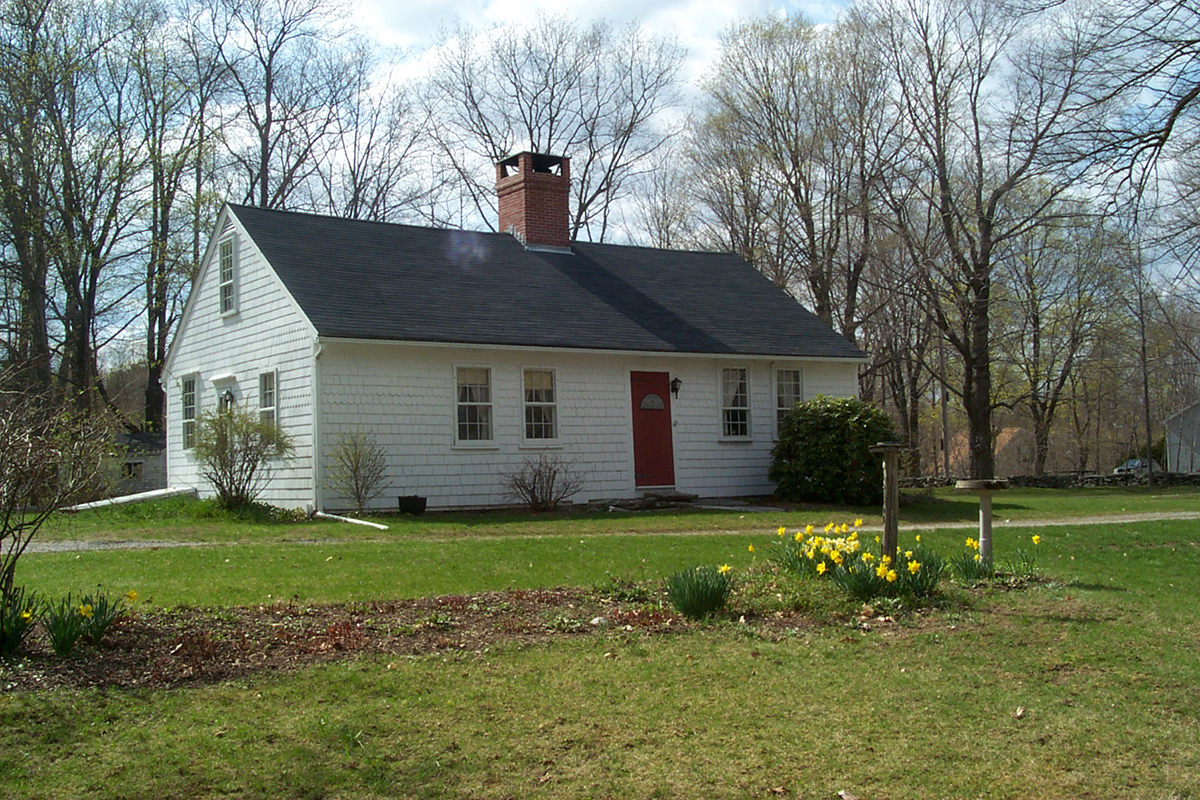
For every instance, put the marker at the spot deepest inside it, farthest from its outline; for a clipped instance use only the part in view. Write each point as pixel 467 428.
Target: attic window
pixel 227 263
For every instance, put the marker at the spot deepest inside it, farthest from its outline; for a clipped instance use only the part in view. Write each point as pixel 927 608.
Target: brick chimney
pixel 534 192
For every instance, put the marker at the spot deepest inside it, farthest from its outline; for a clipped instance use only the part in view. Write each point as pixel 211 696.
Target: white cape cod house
pixel 465 353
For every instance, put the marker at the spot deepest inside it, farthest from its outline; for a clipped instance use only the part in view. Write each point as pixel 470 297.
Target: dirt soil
pixel 193 647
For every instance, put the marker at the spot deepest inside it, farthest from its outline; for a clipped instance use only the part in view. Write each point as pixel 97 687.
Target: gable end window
pixel 187 403
pixel 789 390
pixel 474 404
pixel 226 258
pixel 735 402
pixel 541 405
pixel 267 397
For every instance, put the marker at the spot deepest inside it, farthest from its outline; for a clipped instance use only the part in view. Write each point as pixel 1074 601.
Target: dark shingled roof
pixel 368 280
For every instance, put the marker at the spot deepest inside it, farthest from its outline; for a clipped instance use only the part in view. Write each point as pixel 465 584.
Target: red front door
pixel 653 456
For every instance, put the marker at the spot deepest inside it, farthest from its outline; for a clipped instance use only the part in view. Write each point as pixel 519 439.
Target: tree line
pixel 995 200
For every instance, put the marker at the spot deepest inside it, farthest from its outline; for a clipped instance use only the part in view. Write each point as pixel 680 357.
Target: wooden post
pixel 891 495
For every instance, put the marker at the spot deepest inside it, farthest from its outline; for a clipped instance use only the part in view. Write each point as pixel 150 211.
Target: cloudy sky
pixel 415 24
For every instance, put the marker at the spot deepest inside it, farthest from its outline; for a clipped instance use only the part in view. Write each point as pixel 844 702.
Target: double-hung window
pixel 267 397
pixel 789 390
pixel 226 258
pixel 187 403
pixel 474 402
pixel 735 402
pixel 541 404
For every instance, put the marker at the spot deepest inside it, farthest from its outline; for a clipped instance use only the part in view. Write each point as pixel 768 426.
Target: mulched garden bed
pixel 185 647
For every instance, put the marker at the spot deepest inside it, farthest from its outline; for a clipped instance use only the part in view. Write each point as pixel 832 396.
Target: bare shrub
pixel 358 468
pixel 51 455
pixel 543 483
pixel 235 448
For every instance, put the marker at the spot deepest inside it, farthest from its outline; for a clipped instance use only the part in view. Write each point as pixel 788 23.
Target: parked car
pixel 1137 465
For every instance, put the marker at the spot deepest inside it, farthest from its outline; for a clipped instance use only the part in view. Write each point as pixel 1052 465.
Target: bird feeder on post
pixel 890 451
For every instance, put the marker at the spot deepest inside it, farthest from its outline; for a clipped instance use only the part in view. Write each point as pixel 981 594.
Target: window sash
pixel 735 402
pixel 789 390
pixel 541 406
pixel 474 404
pixel 267 396
pixel 226 276
pixel 187 398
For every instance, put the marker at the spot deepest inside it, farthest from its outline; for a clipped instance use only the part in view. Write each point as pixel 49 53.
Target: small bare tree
pixel 543 483
pixel 50 456
pixel 358 468
pixel 235 448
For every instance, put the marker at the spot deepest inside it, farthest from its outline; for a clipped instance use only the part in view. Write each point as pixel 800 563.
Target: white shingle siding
pixel 268 332
pixel 405 396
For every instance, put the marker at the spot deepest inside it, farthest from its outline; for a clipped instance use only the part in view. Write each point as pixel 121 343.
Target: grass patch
pixel 188 520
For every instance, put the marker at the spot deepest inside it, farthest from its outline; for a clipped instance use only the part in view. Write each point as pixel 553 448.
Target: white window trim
pixel 232 282
pixel 273 408
pixel 475 444
pixel 555 440
pixel 799 398
pixel 725 437
pixel 187 425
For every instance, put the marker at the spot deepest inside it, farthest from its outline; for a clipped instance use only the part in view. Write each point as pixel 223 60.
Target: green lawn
pixel 185 520
pixel 1081 687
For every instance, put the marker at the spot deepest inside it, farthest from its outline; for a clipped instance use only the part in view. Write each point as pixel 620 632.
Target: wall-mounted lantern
pixel 675 385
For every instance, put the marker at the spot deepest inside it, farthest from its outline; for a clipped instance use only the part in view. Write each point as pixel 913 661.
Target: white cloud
pixel 416 24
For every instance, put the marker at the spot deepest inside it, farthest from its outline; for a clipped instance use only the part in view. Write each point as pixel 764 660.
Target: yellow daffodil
pixel 131 596
pixel 876 540
pixel 886 561
pixel 978 558
pixel 868 557
pixel 858 522
pixel 808 530
pixel 829 527
pixel 918 537
pixel 751 548
pixel 971 543
pixel 782 530
pixel 908 554
pixel 1037 539
pixel 799 537
pixel 821 568
pixel 27 615
pixel 724 569
pixel 86 611
pixel 914 567
pixel 891 576
pixel 837 557
pixel 881 570
pixel 845 528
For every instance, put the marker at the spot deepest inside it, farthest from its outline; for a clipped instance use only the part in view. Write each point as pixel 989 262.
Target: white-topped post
pixel 984 491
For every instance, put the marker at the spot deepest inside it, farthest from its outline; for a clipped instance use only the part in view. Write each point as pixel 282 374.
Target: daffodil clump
pixel 18 614
pixel 90 617
pixel 969 565
pixel 701 591
pixel 839 555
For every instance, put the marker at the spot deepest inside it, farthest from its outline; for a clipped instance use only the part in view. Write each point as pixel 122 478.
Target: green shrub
pixel 823 454
pixel 698 592
pixel 19 612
